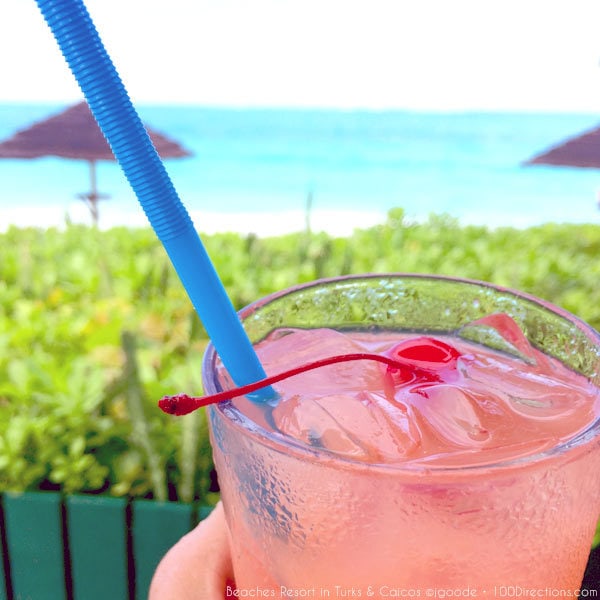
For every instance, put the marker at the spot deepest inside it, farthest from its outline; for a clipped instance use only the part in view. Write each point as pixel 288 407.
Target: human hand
pixel 199 566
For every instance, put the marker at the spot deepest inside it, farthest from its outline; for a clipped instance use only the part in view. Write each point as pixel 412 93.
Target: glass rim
pixel 280 442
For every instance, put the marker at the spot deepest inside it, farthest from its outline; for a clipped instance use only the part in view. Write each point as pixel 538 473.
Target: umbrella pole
pixel 93 195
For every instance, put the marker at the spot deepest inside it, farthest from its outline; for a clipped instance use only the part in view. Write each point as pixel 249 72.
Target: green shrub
pixel 95 327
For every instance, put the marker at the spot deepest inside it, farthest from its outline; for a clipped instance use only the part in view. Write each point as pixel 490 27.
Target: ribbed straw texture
pixel 110 104
pixel 112 108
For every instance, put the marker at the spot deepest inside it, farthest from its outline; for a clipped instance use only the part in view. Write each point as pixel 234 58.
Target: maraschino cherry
pixel 413 360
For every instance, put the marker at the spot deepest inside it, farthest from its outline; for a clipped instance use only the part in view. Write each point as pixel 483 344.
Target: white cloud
pixel 432 54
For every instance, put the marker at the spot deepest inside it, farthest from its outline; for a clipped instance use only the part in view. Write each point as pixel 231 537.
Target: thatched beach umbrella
pixel 579 151
pixel 74 134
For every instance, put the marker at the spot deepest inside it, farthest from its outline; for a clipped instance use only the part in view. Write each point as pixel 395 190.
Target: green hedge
pixel 95 328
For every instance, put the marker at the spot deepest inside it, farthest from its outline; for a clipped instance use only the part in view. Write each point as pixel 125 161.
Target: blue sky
pixel 538 55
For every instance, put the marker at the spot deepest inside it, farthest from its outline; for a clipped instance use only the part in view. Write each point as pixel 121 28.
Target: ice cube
pixel 456 415
pixel 533 391
pixel 353 426
pixel 501 332
pixel 294 347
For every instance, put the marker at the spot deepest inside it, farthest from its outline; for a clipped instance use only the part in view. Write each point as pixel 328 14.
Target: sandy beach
pixel 337 223
pixel 263 224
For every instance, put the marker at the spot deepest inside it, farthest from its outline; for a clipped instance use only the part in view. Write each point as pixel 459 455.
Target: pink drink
pixel 472 470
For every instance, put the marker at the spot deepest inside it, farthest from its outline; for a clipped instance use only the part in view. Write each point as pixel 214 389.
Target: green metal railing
pixel 86 547
pixel 100 548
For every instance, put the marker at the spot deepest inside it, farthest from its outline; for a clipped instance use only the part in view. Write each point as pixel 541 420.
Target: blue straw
pixel 110 104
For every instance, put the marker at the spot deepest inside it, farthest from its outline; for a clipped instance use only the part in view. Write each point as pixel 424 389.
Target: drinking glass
pixel 304 522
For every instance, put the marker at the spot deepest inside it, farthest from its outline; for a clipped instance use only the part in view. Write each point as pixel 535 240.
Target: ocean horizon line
pixel 434 110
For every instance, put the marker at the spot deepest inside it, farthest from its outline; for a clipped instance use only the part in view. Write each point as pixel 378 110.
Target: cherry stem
pixel 181 404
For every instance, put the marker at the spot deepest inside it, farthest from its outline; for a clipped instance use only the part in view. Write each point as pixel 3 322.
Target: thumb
pixel 199 566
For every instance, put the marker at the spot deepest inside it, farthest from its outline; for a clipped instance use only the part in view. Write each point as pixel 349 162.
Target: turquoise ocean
pixel 256 169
